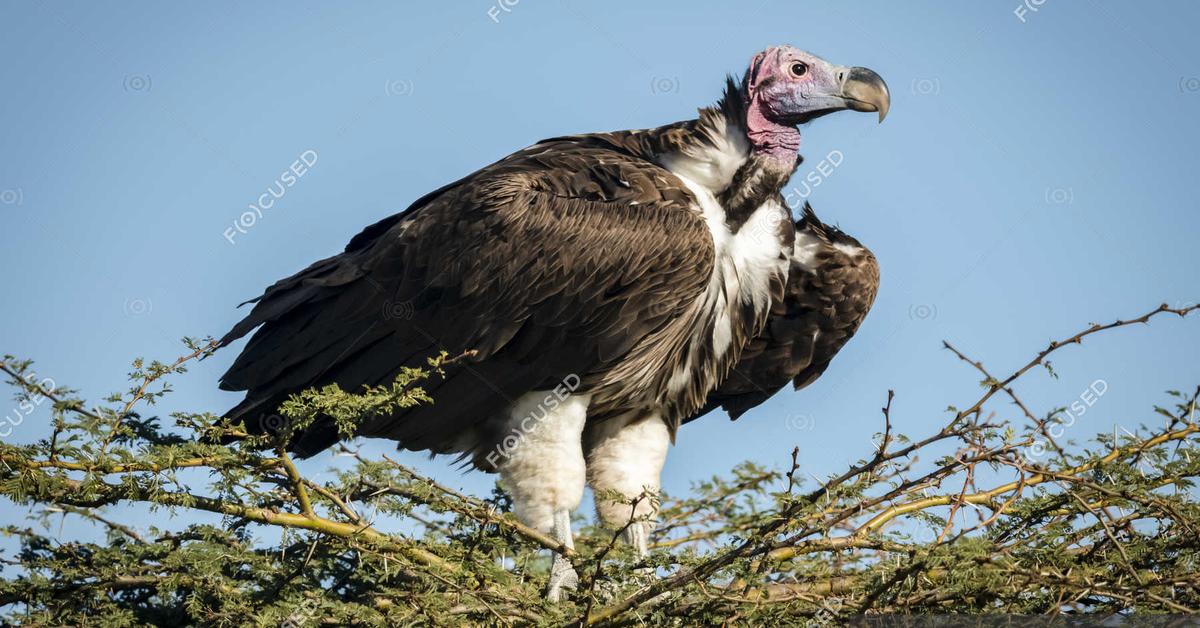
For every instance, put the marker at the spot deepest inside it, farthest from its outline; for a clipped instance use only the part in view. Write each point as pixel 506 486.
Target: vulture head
pixel 785 87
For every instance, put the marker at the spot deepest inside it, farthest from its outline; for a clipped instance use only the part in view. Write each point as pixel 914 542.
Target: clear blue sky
pixel 1036 173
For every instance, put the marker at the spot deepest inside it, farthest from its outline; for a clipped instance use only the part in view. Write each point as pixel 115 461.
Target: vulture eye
pixel 799 69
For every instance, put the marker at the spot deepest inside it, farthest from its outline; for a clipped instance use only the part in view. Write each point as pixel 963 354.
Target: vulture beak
pixel 864 90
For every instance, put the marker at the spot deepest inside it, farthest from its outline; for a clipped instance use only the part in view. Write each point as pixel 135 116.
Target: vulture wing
pixel 831 286
pixel 552 262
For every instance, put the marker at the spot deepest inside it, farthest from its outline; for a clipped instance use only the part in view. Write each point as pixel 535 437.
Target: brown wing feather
pixel 551 262
pixel 824 303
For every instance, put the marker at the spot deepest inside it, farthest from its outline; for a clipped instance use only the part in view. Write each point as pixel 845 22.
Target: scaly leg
pixel 562 574
pixel 638 536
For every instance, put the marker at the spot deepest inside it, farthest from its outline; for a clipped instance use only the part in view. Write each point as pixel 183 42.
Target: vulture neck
pixel 770 139
pixel 721 153
pixel 771 157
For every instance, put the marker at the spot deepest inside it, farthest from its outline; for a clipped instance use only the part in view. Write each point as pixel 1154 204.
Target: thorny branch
pixel 1094 530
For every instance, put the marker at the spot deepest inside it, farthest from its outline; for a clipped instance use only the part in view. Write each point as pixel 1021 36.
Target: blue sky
pixel 1036 173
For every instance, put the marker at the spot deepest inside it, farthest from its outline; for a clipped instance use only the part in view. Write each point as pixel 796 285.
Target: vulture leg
pixel 625 455
pixel 562 574
pixel 542 468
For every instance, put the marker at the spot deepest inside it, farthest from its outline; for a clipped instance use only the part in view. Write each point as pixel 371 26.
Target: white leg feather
pixel 541 466
pixel 627 457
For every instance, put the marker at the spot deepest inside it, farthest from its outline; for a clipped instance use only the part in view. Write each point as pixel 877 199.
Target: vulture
pixel 598 290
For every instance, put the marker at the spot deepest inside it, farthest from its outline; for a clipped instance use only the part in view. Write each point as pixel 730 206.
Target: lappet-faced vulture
pixel 601 290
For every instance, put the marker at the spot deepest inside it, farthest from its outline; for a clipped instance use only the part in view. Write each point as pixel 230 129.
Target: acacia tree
pixel 1111 526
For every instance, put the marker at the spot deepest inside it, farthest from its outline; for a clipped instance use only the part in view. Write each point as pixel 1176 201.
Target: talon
pixel 562 578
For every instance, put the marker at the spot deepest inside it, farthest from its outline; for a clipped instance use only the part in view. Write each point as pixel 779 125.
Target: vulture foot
pixel 562 573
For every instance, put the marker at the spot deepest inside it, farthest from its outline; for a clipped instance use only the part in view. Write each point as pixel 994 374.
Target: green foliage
pixel 983 527
pixel 348 409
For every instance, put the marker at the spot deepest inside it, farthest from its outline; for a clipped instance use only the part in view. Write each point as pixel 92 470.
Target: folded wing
pixel 831 285
pixel 552 262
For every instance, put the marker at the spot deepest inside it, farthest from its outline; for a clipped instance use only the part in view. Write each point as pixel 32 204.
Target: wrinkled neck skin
pixel 735 151
pixel 770 139
pixel 773 157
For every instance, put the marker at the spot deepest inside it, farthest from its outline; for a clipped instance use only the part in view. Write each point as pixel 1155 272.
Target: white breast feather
pixel 712 166
pixel 744 262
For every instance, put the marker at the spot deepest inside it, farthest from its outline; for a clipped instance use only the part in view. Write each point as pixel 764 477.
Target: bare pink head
pixel 785 87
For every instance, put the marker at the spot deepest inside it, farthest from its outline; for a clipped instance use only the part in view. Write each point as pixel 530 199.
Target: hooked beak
pixel 864 90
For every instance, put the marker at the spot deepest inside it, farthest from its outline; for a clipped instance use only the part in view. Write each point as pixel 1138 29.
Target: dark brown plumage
pixel 417 283
pixel 826 300
pixel 578 256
